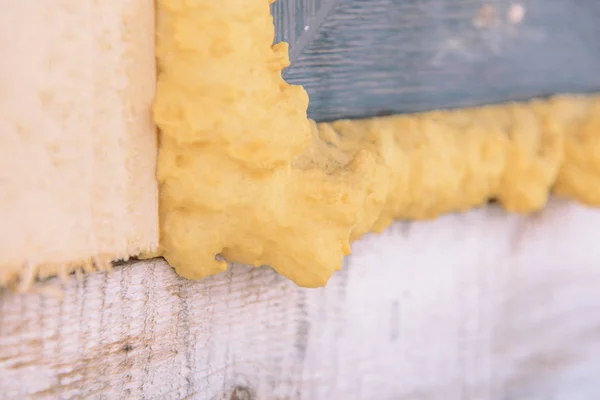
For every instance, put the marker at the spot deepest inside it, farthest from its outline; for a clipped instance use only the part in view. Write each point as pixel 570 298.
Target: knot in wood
pixel 241 393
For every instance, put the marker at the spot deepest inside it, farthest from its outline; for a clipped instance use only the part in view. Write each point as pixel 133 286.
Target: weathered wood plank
pixel 374 57
pixel 483 305
pixel 298 22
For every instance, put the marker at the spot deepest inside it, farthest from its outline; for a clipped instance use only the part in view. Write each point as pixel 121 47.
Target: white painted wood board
pixel 483 305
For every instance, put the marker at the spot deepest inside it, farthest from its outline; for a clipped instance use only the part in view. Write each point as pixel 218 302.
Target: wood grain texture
pixel 377 57
pixel 298 22
pixel 482 305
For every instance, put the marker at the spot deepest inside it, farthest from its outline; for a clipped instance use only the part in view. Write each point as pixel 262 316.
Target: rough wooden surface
pixel 360 58
pixel 483 305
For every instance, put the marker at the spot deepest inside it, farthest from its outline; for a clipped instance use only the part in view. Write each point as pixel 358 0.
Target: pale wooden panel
pixel 476 306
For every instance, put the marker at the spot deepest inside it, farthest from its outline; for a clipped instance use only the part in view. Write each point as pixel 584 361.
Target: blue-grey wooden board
pixel 360 58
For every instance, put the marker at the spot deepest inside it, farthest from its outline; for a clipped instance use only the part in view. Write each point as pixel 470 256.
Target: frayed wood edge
pixel 35 278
